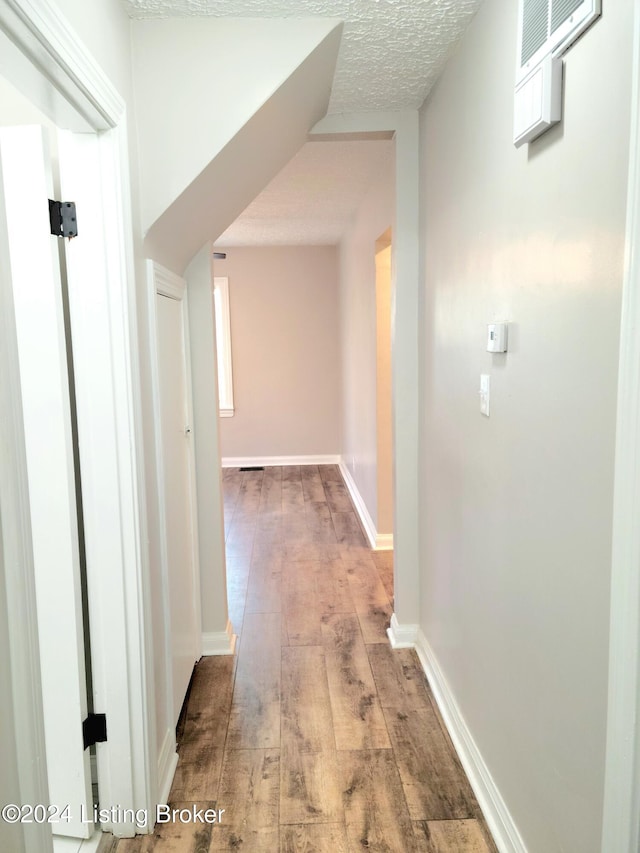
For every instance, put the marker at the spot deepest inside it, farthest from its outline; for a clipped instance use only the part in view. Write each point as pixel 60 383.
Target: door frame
pixel 621 817
pixel 45 389
pixel 17 572
pixel 166 283
pixel 59 64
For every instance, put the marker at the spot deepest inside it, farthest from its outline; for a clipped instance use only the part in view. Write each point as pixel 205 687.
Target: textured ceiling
pixel 391 53
pixel 312 201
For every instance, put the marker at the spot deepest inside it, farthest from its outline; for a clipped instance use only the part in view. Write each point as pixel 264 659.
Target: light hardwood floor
pixel 317 736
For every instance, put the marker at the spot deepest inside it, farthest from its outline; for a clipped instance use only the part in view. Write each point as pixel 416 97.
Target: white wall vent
pixel 546 28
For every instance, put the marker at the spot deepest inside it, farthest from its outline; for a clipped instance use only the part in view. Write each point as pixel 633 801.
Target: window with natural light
pixel 223 345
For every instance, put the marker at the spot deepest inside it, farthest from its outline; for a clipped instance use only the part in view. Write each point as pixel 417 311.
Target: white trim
pixel 402 636
pixel 43 34
pixel 384 542
pixel 358 502
pixel 104 429
pixel 227 413
pixel 62 844
pixel 166 283
pixel 621 816
pixel 167 763
pixel 270 461
pixel 152 285
pixel 139 771
pixel 378 541
pixel 92 845
pixel 163 282
pixel 499 820
pixel 219 642
pixel 193 496
pixel 17 572
pixel 44 377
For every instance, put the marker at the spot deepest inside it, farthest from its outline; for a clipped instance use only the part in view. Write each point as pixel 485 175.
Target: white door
pixel 177 481
pixel 33 264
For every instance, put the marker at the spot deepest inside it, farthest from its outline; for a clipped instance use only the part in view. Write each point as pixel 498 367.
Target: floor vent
pixel 253 468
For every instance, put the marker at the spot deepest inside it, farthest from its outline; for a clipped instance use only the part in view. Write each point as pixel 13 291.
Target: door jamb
pixel 17 571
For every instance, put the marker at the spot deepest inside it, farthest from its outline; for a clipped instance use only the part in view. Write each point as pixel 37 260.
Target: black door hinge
pixel 62 216
pixel 94 729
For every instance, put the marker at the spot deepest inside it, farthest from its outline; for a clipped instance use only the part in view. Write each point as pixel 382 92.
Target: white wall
pixel 105 29
pixel 16 109
pixel 230 88
pixel 358 332
pixel 516 509
pixel 214 74
pixel 285 350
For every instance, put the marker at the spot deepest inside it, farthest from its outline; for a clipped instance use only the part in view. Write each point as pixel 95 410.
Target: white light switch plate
pixel 485 393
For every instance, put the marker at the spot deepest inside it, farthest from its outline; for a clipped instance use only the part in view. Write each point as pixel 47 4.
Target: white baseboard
pixel 378 541
pixel 384 541
pixel 499 820
pixel 402 636
pixel 269 461
pixel 63 844
pixel 167 763
pixel 219 642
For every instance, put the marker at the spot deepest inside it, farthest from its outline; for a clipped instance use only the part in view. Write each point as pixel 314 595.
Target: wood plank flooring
pixel 317 737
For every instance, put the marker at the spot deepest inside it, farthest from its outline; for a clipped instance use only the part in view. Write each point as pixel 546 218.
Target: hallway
pixel 315 736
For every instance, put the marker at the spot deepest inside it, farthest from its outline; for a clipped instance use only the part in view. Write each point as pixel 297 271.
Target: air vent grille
pixel 561 10
pixel 535 27
pixel 546 29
